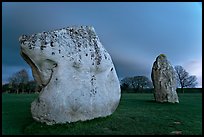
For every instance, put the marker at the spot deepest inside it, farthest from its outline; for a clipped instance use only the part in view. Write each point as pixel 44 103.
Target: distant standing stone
pixel 164 80
pixel 76 75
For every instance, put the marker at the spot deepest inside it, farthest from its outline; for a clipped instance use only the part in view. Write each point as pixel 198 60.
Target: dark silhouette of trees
pixel 137 83
pixel 124 86
pixel 184 79
pixel 19 83
pixel 19 77
pixel 18 80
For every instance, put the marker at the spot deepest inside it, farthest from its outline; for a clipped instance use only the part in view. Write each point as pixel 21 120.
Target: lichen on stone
pixel 77 77
pixel 162 55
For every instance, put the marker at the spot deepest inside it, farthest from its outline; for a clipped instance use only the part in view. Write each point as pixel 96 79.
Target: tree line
pixel 19 82
pixel 136 84
pixel 142 83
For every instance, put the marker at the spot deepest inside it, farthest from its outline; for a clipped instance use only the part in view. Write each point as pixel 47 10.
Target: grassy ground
pixel 137 114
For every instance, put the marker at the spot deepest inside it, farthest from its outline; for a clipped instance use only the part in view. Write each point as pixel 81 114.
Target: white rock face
pixel 75 72
pixel 164 80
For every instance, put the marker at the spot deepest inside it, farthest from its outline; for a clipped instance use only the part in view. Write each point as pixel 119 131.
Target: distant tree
pixel 192 82
pixel 129 82
pixel 142 82
pixel 19 79
pixel 184 79
pixel 124 86
pixel 138 83
pixel 5 88
pixel 32 87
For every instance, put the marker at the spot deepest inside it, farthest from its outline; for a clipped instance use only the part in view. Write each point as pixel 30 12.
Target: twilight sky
pixel 134 33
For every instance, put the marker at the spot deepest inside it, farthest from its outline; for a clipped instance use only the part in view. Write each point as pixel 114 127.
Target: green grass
pixel 136 114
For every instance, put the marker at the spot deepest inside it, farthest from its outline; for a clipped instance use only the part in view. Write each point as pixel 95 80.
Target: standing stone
pixel 164 80
pixel 76 75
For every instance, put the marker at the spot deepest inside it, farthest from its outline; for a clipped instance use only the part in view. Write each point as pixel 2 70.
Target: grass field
pixel 136 114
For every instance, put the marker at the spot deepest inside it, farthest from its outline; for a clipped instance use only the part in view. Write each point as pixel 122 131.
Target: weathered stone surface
pixel 164 80
pixel 75 72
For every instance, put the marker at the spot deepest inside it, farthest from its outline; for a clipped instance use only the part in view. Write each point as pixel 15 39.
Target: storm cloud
pixel 133 33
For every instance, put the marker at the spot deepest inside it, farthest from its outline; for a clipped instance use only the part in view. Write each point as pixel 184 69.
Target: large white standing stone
pixel 164 80
pixel 76 74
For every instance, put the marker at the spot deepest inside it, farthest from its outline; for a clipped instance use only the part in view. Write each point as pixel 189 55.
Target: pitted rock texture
pixel 76 74
pixel 164 80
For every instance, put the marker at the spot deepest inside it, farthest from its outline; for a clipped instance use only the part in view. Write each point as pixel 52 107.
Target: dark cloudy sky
pixel 134 34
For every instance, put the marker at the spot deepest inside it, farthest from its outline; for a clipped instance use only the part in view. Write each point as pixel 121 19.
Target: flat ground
pixel 136 114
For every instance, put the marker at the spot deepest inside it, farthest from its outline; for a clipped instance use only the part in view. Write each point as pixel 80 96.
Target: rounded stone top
pixel 76 30
pixel 161 57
